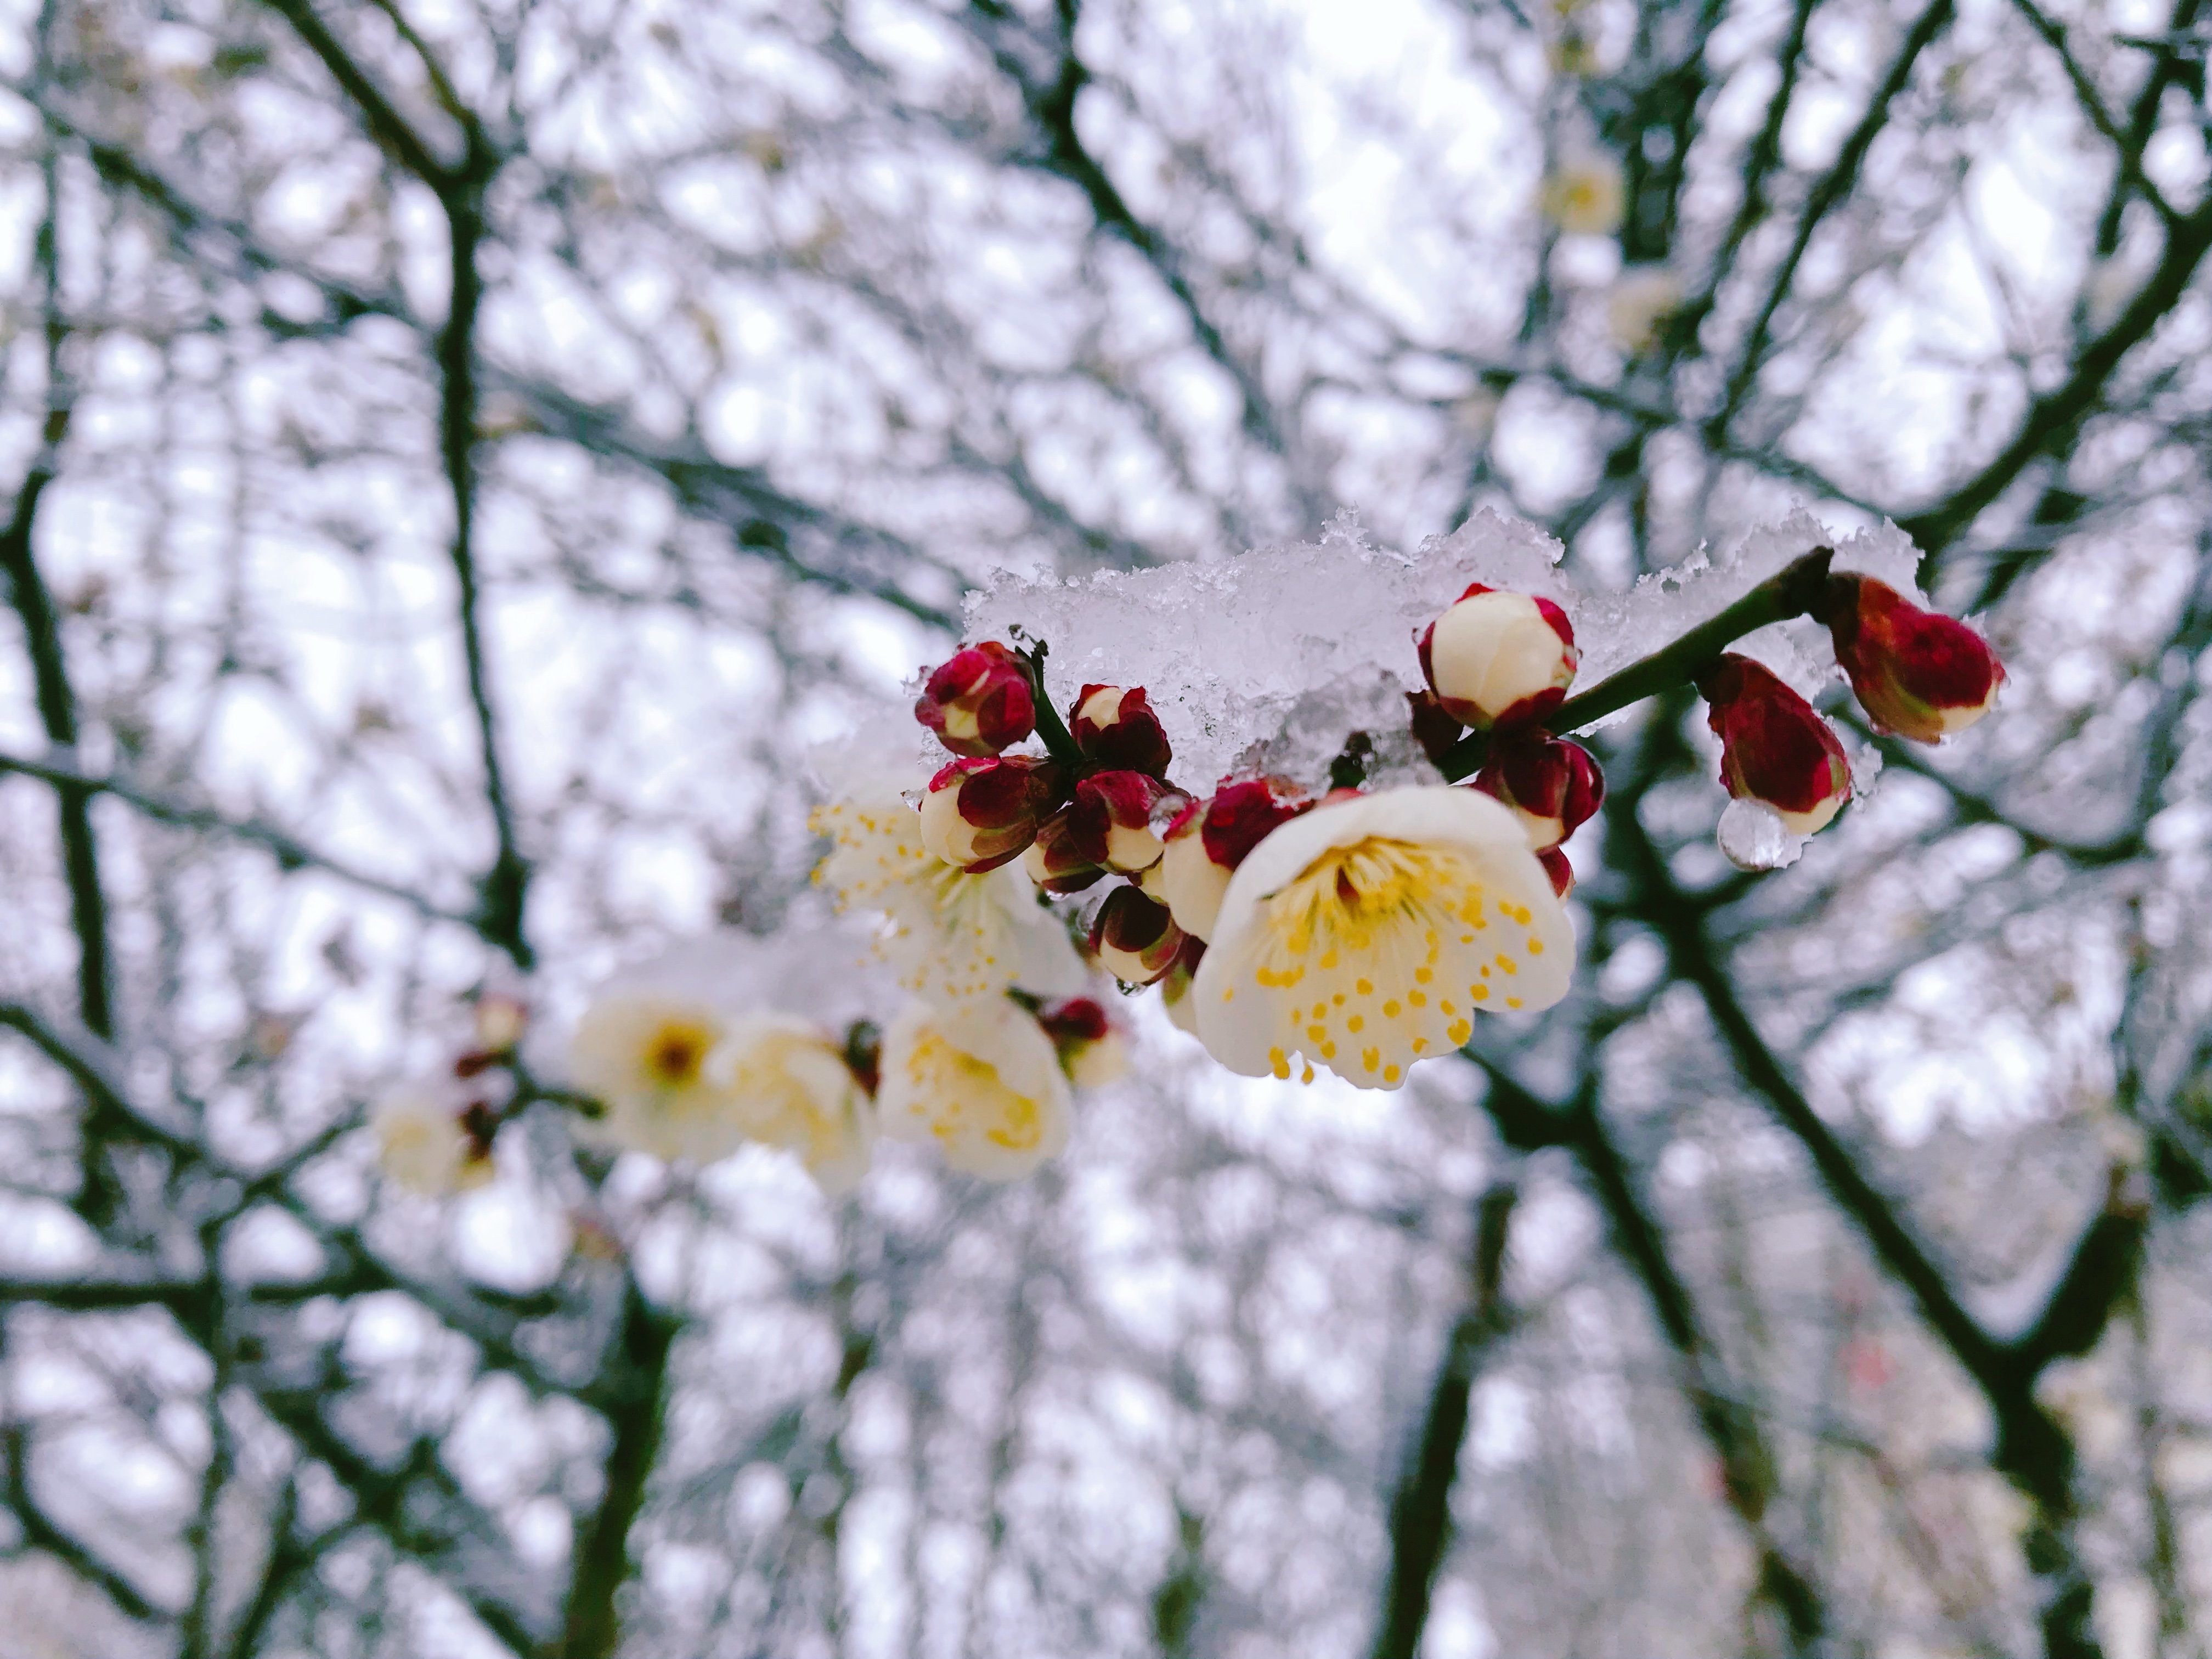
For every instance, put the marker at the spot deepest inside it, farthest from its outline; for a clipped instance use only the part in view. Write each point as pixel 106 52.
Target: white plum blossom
pixel 1366 934
pixel 1585 194
pixel 790 1087
pixel 643 1055
pixel 983 1080
pixel 422 1144
pixel 951 936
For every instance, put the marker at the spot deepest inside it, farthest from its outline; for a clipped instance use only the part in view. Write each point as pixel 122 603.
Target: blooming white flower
pixel 644 1056
pixel 1584 196
pixel 1366 934
pixel 952 936
pixel 791 1087
pixel 983 1080
pixel 422 1144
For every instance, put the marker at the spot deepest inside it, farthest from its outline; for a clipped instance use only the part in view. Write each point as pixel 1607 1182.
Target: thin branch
pixel 289 852
pixel 1420 1510
pixel 1833 186
pixel 637 1409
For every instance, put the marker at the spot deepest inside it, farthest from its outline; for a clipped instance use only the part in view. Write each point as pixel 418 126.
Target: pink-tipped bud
pixel 1134 939
pixel 1498 658
pixel 1775 749
pixel 981 813
pixel 1919 673
pixel 1091 1050
pixel 1111 822
pixel 979 702
pixel 1554 861
pixel 1552 784
pixel 1209 840
pixel 1118 729
pixel 1052 861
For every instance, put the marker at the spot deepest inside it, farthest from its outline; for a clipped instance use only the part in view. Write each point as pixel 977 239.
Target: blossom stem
pixel 1049 725
pixel 1792 592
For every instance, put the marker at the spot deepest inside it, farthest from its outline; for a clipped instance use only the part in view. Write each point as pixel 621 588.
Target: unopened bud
pixel 500 1019
pixel 1775 749
pixel 1554 861
pixel 1117 728
pixel 1091 1050
pixel 979 702
pixel 1919 673
pixel 1209 839
pixel 1052 861
pixel 981 813
pixel 1134 938
pixel 1111 822
pixel 1499 658
pixel 1552 784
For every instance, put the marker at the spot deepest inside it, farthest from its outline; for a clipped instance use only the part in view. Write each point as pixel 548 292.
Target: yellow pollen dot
pixel 1391 1074
pixel 1276 1061
pixel 1513 1002
pixel 1423 976
pixel 1317 1032
pixel 1536 947
pixel 1338 999
pixel 1355 1024
pixel 1328 961
pixel 1390 1010
pixel 1320 1009
pixel 1445 1007
pixel 1365 987
pixel 1417 998
pixel 1328 1051
pixel 1420 1045
pixel 1308 1078
pixel 1371 1058
pixel 1460 1030
pixel 1466 939
pixel 1479 993
pixel 1229 993
pixel 1508 964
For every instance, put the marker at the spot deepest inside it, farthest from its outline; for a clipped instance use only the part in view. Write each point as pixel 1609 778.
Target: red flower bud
pixel 1052 861
pixel 981 813
pixel 1111 821
pixel 1090 1049
pixel 1498 658
pixel 1919 673
pixel 979 702
pixel 1210 839
pixel 1552 784
pixel 1774 748
pixel 1134 939
pixel 1118 729
pixel 1562 873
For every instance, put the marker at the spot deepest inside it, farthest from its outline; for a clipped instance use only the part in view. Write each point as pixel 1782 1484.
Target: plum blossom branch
pixel 1792 592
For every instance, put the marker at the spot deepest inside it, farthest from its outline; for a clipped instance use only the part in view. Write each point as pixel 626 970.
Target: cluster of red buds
pixel 1501 664
pixel 1098 807
pixel 486 1069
